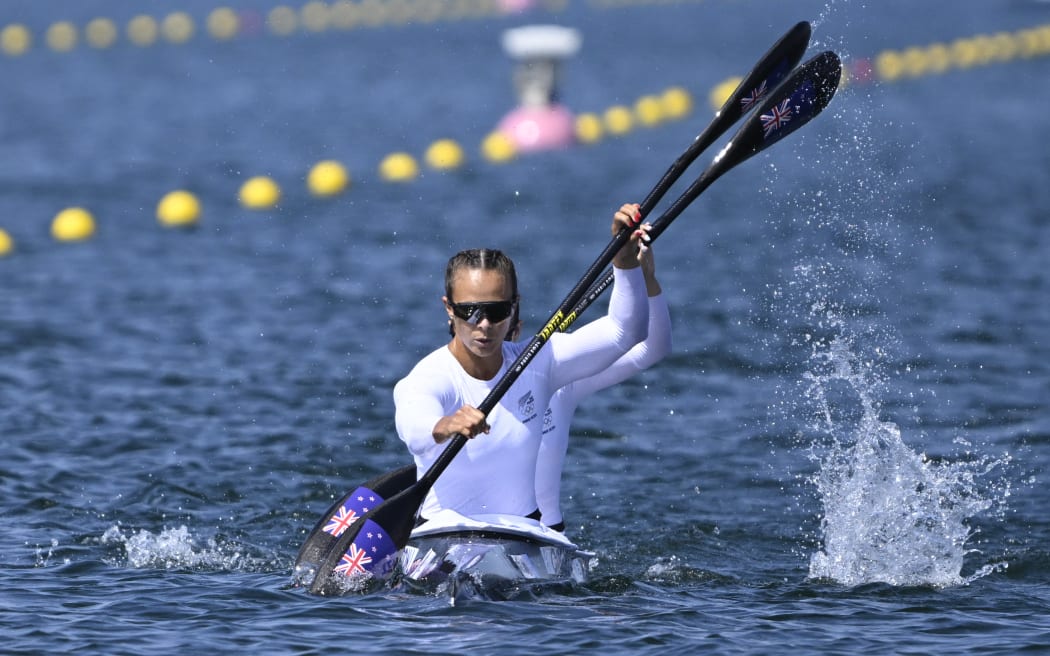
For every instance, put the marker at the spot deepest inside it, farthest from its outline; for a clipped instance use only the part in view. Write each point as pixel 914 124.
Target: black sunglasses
pixel 494 311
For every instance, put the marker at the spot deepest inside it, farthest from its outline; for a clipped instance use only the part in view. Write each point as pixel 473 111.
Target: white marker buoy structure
pixel 540 121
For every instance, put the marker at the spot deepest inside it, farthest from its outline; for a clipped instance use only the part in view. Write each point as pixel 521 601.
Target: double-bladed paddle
pixel 770 70
pixel 370 545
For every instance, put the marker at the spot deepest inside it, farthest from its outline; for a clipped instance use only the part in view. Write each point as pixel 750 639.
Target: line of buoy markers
pixel 329 178
pixel 224 24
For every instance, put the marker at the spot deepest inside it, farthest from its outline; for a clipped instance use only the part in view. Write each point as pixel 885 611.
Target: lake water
pixel 847 450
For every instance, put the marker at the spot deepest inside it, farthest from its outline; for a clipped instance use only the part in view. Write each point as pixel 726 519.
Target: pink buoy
pixel 540 121
pixel 543 127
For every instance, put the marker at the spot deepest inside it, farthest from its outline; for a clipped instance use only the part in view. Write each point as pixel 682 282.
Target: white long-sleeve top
pixel 563 404
pixel 495 472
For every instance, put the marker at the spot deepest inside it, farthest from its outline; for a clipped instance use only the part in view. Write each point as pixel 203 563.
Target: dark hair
pixel 481 258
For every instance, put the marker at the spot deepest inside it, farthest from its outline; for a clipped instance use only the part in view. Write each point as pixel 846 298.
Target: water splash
pixel 176 548
pixel 890 514
pixel 43 558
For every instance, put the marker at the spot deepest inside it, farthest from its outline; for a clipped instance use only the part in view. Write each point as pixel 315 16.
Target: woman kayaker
pixel 439 398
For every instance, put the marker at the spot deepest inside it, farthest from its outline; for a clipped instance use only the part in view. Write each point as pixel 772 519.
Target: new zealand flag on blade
pixel 370 553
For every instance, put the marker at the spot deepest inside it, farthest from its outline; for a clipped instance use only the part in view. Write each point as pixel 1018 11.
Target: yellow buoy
pixel 177 27
pixel 588 128
pixel 618 120
pixel 398 167
pixel 344 14
pixel 7 244
pixel 1027 42
pixel 327 178
pixel 1004 47
pixel 178 208
pixel 720 94
pixel 938 58
pixel 61 36
pixel 964 53
pixel 889 65
pixel 259 193
pixel 497 147
pixel 677 103
pixel 444 154
pixel 985 48
pixel 1044 38
pixel 223 24
pixel 316 16
pixel 73 224
pixel 15 39
pixel 100 33
pixel 142 30
pixel 282 20
pixel 649 110
pixel 914 62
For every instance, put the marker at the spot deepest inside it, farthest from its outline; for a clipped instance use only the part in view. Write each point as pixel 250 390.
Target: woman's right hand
pixel 467 421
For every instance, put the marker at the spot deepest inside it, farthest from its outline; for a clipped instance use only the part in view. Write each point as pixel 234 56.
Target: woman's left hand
pixel 629 216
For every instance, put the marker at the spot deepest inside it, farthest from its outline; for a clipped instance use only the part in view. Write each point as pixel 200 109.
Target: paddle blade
pixel 803 95
pixel 343 513
pixel 369 548
pixel 798 99
pixel 770 70
pixel 768 73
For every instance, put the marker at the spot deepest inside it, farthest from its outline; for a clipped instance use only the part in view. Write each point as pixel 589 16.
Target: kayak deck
pixel 489 556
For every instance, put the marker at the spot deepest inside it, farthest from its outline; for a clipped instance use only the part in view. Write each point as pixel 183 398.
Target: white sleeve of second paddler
pixel 597 345
pixel 644 355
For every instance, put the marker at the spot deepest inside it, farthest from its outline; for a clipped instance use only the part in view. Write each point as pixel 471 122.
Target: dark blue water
pixel 847 450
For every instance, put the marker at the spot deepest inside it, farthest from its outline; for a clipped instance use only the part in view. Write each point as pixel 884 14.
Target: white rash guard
pixel 558 418
pixel 495 472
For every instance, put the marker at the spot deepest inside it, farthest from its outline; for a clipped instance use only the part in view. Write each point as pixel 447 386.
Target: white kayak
pixel 489 556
